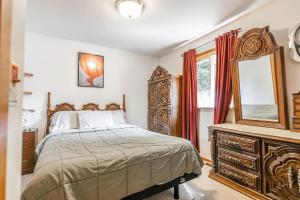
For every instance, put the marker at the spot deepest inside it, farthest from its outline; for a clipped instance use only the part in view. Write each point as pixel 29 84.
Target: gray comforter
pixel 108 163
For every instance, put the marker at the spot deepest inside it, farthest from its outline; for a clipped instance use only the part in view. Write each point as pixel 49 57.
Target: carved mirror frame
pixel 254 44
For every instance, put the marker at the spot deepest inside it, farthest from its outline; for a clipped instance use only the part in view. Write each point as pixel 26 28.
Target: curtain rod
pixel 211 41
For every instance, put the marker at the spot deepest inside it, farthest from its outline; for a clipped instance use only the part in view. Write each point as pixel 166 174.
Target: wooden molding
pixel 5 74
pixel 207 161
pixel 205 54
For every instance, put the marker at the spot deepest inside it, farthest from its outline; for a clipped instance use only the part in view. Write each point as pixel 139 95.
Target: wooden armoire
pixel 164 102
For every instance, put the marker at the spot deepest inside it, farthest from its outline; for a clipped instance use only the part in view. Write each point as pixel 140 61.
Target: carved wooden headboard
pixel 71 107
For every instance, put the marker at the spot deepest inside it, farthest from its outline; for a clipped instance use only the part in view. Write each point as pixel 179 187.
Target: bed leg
pixel 176 192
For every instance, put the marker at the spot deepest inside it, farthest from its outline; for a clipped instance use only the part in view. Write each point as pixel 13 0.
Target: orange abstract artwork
pixel 90 70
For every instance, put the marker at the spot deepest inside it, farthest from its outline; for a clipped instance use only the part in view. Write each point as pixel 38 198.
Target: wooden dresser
pixel 164 102
pixel 296 118
pixel 28 161
pixel 263 163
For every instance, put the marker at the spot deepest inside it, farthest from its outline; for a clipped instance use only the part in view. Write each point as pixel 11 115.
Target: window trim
pixel 201 56
pixel 205 54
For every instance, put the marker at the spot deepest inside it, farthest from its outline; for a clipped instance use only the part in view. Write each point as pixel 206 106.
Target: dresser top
pixel 271 133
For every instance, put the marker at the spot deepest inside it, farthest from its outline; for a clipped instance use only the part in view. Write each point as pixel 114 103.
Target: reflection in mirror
pixel 258 94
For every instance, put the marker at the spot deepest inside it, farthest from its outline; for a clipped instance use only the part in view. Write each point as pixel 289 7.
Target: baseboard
pixel 207 161
pixel 244 190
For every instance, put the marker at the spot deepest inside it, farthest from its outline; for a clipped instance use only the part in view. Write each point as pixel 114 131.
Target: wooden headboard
pixel 71 107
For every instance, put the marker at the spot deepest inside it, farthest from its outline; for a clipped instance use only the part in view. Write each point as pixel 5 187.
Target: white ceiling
pixel 163 25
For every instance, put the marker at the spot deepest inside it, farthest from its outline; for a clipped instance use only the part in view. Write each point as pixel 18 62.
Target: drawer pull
pixel 234 159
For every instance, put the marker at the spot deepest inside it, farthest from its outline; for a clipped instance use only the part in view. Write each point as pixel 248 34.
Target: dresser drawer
pixel 296 123
pixel 297 106
pixel 28 153
pixel 244 178
pixel 28 163
pixel 28 148
pixel 297 99
pixel 27 157
pixel 29 136
pixel 27 170
pixel 28 144
pixel 240 160
pixel 27 166
pixel 239 142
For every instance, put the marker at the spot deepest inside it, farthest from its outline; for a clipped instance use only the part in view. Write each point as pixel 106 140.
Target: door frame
pixel 5 76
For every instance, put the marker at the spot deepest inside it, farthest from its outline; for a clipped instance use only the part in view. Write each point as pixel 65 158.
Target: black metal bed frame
pixel 160 188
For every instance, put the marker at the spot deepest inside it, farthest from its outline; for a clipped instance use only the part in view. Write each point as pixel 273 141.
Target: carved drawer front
pixel 281 170
pixel 244 178
pixel 158 120
pixel 159 94
pixel 239 142
pixel 296 123
pixel 241 160
pixel 297 105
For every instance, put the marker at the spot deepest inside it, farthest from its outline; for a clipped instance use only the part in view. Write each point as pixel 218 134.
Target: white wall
pixel 282 16
pixel 53 62
pixel 14 136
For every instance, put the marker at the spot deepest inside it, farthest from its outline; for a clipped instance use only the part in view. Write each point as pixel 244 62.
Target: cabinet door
pixel 158 120
pixel 281 170
pixel 159 93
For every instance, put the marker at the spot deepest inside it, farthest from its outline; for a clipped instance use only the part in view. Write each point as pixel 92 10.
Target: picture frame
pixel 90 70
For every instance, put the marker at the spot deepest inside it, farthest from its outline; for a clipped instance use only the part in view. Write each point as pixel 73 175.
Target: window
pixel 206 75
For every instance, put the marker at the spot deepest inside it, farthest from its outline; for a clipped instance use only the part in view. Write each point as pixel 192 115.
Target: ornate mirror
pixel 259 80
pixel 294 43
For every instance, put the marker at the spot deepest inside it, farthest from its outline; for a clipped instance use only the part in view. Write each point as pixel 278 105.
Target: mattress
pixel 108 163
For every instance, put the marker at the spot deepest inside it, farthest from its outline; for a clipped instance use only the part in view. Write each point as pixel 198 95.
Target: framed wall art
pixel 90 70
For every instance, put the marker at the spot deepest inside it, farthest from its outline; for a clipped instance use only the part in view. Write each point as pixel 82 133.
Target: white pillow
pixel 118 117
pixel 95 119
pixel 64 120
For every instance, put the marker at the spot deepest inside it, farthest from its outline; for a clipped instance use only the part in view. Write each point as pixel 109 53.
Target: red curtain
pixel 225 45
pixel 189 98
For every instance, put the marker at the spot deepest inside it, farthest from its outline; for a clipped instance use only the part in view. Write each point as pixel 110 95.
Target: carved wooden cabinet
pixel 263 163
pixel 164 102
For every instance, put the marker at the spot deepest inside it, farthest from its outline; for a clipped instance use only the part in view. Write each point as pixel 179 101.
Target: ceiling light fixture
pixel 130 8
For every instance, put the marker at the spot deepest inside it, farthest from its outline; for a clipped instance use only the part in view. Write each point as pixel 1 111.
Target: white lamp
pixel 130 8
pixel 26 118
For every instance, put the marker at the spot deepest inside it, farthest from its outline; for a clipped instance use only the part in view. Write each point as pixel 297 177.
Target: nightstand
pixel 28 161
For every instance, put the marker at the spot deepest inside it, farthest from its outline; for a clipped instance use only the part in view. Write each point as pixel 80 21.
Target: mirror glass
pixel 258 89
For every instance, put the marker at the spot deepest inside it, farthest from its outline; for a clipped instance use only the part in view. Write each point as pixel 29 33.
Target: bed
pixel 120 161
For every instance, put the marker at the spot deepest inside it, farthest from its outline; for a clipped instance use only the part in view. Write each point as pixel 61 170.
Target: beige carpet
pixel 202 188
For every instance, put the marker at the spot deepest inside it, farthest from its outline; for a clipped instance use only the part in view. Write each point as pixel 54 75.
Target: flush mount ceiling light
pixel 130 8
